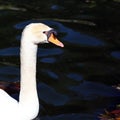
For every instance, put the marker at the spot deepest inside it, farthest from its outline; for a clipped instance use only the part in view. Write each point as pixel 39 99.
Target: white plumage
pixel 27 107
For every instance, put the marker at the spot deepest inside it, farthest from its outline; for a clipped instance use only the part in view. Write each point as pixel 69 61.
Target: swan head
pixel 40 33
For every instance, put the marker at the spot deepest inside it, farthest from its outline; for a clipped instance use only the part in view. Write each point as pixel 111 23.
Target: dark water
pixel 74 82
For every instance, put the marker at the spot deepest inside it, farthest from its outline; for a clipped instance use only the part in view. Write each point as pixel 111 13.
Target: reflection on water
pixel 116 54
pixel 12 51
pixel 70 35
pixel 65 85
pixel 8 73
pixel 73 82
pixel 51 96
pixel 91 90
pixel 49 52
pixel 70 117
pixel 75 37
pixel 48 60
pixel 75 76
pixel 50 73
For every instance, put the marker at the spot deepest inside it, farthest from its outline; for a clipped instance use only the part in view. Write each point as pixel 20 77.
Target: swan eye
pixel 44 32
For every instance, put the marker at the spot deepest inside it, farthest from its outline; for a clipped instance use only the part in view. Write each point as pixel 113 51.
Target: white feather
pixel 27 107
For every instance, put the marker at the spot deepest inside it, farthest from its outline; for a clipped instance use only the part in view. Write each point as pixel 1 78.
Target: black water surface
pixel 74 82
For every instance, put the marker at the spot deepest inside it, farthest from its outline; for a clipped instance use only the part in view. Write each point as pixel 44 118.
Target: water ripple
pixel 70 35
pixel 48 52
pixel 50 96
pixel 48 60
pixel 70 116
pixel 91 90
pixel 116 54
pixel 9 70
pixel 11 51
pixel 50 73
pixel 74 76
pixel 75 37
pixel 15 51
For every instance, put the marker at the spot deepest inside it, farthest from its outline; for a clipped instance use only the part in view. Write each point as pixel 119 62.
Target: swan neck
pixel 28 63
pixel 28 92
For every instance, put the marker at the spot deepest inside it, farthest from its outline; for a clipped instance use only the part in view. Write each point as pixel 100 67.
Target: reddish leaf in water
pixel 115 112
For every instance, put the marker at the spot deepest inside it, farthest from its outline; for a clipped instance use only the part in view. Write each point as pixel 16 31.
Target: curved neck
pixel 28 92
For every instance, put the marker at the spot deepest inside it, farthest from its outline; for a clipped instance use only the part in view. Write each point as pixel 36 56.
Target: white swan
pixel 28 106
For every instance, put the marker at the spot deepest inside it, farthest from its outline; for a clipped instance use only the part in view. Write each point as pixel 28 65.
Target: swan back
pixel 6 105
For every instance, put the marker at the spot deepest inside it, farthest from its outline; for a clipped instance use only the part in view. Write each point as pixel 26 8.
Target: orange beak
pixel 55 41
